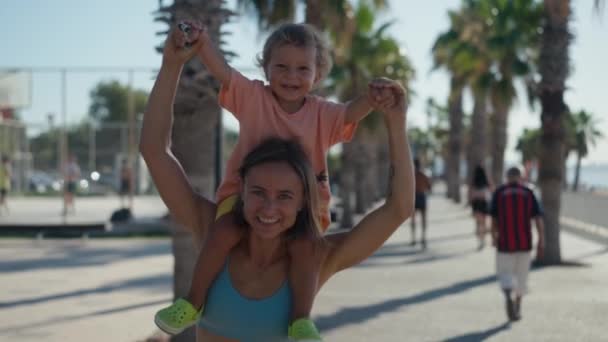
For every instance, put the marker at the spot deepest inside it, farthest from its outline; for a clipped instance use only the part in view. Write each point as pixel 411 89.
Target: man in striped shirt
pixel 513 208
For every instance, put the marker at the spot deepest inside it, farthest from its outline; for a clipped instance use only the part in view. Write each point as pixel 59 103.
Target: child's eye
pixel 281 66
pixel 304 68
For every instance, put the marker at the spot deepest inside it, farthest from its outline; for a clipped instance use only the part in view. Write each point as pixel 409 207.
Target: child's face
pixel 292 73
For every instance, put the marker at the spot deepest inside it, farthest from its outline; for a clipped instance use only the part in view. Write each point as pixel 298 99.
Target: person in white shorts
pixel 513 208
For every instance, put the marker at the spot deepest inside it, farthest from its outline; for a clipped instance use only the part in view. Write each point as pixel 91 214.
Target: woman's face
pixel 272 195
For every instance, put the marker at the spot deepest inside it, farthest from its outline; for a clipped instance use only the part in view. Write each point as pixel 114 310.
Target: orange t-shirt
pixel 317 126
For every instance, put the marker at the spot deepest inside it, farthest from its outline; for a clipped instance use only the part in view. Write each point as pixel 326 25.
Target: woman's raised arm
pixel 350 248
pixel 186 206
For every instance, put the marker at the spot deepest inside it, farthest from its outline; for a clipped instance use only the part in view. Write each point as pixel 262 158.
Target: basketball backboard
pixel 15 89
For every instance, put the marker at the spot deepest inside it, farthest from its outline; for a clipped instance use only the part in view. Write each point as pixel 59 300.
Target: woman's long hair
pixel 290 152
pixel 480 180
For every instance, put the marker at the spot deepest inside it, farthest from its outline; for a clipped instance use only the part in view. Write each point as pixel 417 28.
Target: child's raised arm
pixel 379 94
pixel 211 57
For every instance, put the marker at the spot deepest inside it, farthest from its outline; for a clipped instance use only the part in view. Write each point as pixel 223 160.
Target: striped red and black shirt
pixel 513 206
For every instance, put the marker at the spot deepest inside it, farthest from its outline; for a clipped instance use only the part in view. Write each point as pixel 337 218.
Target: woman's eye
pixel 285 197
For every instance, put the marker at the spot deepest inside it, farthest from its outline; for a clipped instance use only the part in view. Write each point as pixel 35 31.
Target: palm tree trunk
pixel 565 170
pixel 360 173
pixel 499 141
pixel 478 132
pixel 314 14
pixel 383 163
pixel 455 139
pixel 554 57
pixel 577 172
pixel 347 181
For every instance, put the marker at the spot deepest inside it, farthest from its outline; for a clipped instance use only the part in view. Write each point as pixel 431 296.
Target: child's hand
pixel 379 93
pixel 393 101
pixel 183 42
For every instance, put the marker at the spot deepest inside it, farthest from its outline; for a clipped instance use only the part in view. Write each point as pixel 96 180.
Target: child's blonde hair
pixel 300 35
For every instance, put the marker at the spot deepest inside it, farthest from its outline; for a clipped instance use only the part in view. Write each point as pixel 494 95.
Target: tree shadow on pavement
pixel 358 315
pixel 421 257
pixel 480 335
pixel 161 282
pixel 58 319
pixel 84 256
pixel 592 254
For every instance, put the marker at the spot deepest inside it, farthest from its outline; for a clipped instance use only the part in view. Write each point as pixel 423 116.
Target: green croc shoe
pixel 177 317
pixel 303 330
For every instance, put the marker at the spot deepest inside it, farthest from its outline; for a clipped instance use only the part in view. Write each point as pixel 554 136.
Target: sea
pixel 593 176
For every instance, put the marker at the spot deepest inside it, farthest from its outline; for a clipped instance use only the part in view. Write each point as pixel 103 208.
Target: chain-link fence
pixel 91 114
pixel 99 150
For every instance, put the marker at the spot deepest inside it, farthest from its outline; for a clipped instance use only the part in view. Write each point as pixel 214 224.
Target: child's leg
pixel 222 237
pixel 305 262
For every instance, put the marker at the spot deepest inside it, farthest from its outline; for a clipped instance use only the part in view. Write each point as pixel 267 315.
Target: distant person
pixel 423 186
pixel 513 208
pixel 125 190
pixel 480 193
pixel 71 176
pixel 5 183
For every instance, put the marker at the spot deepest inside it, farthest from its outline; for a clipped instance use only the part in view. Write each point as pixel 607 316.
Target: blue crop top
pixel 231 315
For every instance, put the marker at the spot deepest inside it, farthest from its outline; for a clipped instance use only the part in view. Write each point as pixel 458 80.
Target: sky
pixel 48 35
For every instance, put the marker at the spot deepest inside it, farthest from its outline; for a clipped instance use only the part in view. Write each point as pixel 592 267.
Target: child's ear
pixel 317 76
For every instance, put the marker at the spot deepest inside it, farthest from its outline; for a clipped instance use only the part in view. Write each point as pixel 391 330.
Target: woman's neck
pixel 264 252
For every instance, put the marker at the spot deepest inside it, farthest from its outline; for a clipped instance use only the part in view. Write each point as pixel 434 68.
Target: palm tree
pixel 452 53
pixel 554 69
pixel 438 129
pixel 513 42
pixel 372 54
pixel 196 121
pixel 586 135
pixel 527 145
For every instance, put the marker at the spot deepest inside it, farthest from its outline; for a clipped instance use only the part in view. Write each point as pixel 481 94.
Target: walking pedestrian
pixel 513 208
pixel 5 183
pixel 126 185
pixel 423 186
pixel 480 192
pixel 71 176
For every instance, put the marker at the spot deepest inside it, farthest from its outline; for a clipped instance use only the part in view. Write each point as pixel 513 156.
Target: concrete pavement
pixel 109 289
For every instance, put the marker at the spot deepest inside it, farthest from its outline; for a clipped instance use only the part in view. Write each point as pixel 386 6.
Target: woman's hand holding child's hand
pixel 388 96
pixel 184 41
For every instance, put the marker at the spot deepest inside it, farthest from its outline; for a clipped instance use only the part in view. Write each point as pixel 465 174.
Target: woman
pixel 480 191
pixel 275 203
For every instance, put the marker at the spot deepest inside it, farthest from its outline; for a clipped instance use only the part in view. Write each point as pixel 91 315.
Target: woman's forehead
pixel 277 173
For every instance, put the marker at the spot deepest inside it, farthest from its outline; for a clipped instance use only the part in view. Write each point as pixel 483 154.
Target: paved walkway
pixel 108 290
pixel 89 210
